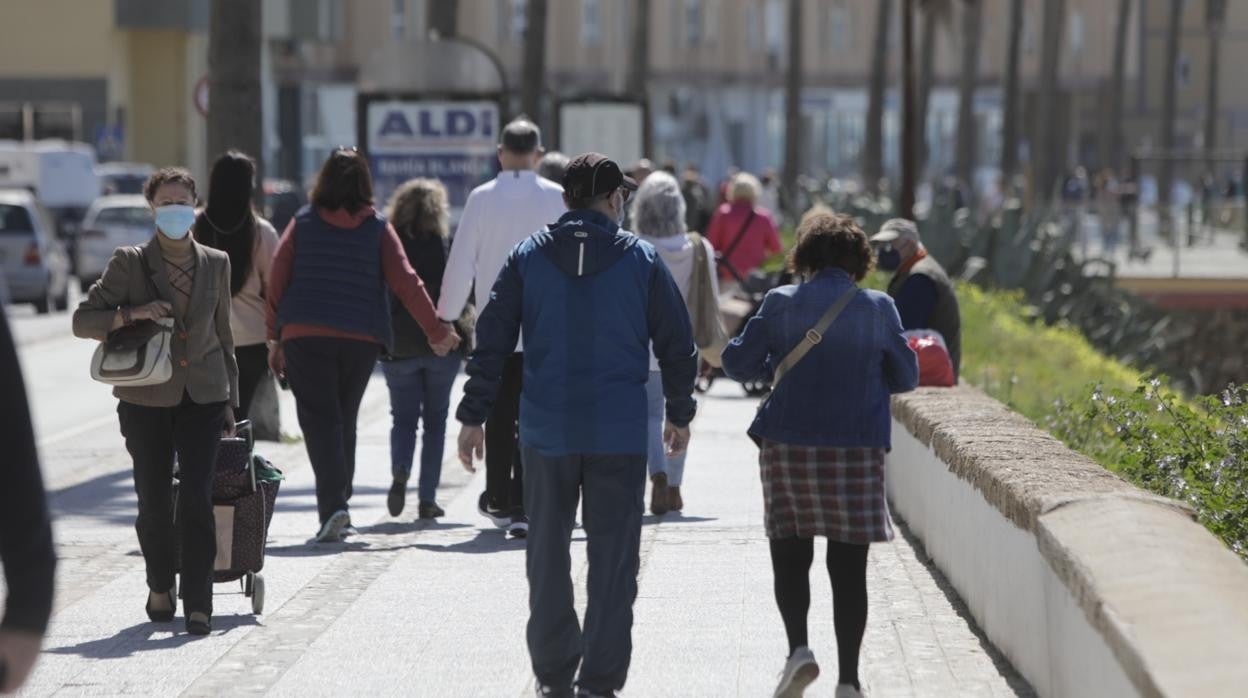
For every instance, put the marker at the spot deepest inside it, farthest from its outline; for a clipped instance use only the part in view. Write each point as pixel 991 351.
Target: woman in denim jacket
pixel 824 432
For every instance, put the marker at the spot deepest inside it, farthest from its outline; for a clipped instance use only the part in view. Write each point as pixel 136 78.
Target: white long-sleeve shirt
pixel 498 215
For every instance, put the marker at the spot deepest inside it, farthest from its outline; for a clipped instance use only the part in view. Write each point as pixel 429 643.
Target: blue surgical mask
pixel 888 260
pixel 175 220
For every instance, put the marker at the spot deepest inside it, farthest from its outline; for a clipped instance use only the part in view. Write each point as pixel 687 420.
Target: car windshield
pixel 123 183
pixel 14 219
pixel 133 216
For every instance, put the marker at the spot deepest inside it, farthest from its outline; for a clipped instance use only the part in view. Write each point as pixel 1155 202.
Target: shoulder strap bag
pixel 813 337
pixel 709 332
pixel 138 354
pixel 745 228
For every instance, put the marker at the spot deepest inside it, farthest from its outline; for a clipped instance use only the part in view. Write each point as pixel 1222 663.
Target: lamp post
pixel 492 57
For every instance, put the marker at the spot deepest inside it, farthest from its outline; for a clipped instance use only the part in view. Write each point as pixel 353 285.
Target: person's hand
pixel 448 344
pixel 230 428
pixel 277 361
pixel 152 311
pixel 18 651
pixel 471 444
pixel 675 439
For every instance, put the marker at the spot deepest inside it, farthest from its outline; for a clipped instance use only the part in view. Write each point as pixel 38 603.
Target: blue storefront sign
pixel 452 141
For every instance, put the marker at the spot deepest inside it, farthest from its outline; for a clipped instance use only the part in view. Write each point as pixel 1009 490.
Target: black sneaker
pixel 397 496
pixel 429 510
pixel 496 515
pixel 519 526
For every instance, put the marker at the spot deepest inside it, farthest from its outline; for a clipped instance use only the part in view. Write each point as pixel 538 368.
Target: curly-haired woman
pixel 420 381
pixel 824 432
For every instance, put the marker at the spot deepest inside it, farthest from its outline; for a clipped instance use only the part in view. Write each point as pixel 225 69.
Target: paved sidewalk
pixel 439 610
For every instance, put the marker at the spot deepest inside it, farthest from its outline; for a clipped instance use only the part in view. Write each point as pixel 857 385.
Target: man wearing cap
pixel 498 215
pixel 591 300
pixel 920 287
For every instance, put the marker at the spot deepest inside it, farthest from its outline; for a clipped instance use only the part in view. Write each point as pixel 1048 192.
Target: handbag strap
pixel 745 227
pixel 813 336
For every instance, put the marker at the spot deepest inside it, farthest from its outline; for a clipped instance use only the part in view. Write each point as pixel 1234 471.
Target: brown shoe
pixel 674 502
pixel 658 494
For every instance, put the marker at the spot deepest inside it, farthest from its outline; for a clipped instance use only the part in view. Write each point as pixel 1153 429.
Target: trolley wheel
pixel 758 389
pixel 257 595
pixel 248 582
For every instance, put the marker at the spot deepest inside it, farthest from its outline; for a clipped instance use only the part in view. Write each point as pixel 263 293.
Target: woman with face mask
pixel 171 275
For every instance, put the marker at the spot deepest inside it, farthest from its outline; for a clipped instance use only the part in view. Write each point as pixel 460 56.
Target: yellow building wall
pixel 81 44
pixel 159 99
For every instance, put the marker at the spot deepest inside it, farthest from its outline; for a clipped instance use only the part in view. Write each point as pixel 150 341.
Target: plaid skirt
pixel 833 492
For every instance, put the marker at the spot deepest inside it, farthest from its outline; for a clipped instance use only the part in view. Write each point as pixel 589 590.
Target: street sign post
pixel 453 140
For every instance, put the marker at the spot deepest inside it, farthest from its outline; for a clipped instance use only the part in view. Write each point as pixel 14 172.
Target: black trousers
pixel 328 376
pixel 253 367
pixel 153 435
pixel 504 474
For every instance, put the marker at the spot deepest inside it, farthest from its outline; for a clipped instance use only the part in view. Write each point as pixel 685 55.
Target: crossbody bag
pixel 139 354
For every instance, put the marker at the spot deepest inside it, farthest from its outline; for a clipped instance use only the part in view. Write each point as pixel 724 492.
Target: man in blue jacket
pixel 591 299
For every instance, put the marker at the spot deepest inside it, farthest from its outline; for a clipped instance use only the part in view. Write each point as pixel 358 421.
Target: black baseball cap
pixel 592 175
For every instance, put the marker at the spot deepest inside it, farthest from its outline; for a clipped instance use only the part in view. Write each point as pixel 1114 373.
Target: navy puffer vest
pixel 337 281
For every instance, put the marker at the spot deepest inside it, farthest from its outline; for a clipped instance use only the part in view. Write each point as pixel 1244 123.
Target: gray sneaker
pixel 331 530
pixel 800 671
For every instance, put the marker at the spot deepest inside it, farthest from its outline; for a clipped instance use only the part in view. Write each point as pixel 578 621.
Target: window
pixel 753 28
pixel 398 19
pixel 836 19
pixel 591 22
pixel 15 219
pixel 775 32
pixel 331 19
pixel 519 19
pixel 693 22
pixel 1076 33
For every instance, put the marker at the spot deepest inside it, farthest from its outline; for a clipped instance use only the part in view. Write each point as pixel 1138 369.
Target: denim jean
pixel 420 391
pixel 657 457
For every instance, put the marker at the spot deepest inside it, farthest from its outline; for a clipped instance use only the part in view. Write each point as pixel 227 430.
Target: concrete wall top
pixel 1169 598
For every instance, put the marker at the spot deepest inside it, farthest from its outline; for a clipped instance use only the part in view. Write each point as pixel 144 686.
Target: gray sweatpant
pixel 614 489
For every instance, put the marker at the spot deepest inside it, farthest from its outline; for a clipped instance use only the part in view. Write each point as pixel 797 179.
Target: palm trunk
pixel 534 60
pixel 234 117
pixel 927 69
pixel 909 138
pixel 1169 96
pixel 873 147
pixel 443 17
pixel 1009 126
pixel 1113 122
pixel 1050 156
pixel 964 167
pixel 793 108
pixel 639 69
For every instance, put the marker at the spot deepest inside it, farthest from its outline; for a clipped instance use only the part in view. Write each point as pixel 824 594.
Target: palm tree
pixel 639 68
pixel 234 118
pixel 1113 122
pixel 909 139
pixel 793 108
pixel 1050 155
pixel 1009 117
pixel 1215 22
pixel 873 147
pixel 936 13
pixel 1170 94
pixel 534 59
pixel 964 167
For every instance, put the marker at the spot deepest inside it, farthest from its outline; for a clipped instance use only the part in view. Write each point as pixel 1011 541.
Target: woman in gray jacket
pixel 171 275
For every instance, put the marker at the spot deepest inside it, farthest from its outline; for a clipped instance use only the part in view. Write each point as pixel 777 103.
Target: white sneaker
pixel 331 530
pixel 846 690
pixel 799 672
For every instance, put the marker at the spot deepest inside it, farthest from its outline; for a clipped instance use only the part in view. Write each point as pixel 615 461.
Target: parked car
pixel 123 177
pixel 282 200
pixel 36 267
pixel 111 222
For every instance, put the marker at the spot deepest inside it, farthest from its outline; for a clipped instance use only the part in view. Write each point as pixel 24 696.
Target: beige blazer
pixel 203 346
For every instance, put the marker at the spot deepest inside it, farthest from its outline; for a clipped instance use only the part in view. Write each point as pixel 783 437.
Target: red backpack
pixel 935 366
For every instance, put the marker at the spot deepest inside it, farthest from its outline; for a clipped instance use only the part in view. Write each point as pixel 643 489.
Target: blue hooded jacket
pixel 591 300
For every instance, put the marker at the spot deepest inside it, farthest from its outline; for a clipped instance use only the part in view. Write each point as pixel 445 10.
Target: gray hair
pixel 552 166
pixel 659 207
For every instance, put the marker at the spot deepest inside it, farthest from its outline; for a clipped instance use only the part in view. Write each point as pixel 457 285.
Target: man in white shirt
pixel 497 216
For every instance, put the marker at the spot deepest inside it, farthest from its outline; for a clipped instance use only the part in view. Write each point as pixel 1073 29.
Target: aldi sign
pixel 451 141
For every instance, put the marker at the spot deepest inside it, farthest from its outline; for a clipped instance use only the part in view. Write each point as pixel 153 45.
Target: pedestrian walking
pixel 229 223
pixel 25 532
pixel 659 219
pixel 171 275
pixel 741 230
pixel 698 204
pixel 419 380
pixel 591 300
pixel 925 297
pixel 839 353
pixel 552 166
pixel 497 216
pixel 329 319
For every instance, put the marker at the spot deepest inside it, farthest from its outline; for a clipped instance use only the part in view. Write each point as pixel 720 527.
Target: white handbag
pixel 137 355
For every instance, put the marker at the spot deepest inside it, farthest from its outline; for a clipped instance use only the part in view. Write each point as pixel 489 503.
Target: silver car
pixel 111 222
pixel 36 268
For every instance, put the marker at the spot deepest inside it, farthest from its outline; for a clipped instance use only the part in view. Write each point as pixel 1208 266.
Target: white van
pixel 60 173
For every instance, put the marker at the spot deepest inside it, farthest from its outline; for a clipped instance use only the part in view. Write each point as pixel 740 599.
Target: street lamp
pixel 504 86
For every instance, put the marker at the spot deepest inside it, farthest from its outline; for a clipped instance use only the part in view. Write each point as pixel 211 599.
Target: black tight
pixel 847 566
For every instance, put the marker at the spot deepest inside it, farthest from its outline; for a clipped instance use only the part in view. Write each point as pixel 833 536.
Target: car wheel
pixel 62 303
pixel 43 306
